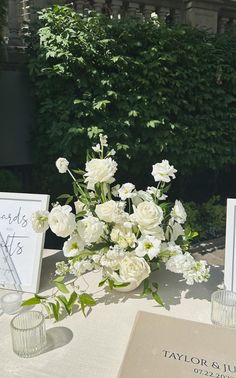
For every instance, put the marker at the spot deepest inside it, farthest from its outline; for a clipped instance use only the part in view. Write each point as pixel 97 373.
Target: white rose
pixel 148 216
pixel 110 211
pixel 73 246
pixel 163 171
pixel 79 206
pixel 39 220
pixel 178 213
pixel 100 170
pixel 134 269
pixel 62 221
pixel 62 165
pixel 90 229
pixel 126 191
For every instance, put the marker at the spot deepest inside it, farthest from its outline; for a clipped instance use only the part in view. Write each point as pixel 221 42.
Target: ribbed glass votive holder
pixel 223 308
pixel 28 334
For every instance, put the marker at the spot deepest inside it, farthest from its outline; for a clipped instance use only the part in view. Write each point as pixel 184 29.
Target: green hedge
pixel 156 91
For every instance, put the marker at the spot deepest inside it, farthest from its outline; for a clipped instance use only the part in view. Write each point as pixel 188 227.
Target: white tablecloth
pixel 93 347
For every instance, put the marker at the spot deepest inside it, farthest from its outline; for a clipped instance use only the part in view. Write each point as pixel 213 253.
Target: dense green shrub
pixel 3 6
pixel 9 182
pixel 157 91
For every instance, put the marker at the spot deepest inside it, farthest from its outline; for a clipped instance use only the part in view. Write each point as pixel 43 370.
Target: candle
pixel 11 302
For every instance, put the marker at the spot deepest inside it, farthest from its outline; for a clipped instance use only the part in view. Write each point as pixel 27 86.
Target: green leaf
pixel 101 283
pixel 59 279
pixel 157 298
pixel 101 105
pixel 55 309
pixel 31 301
pixel 64 196
pixel 86 300
pixel 124 284
pixel 64 301
pixel 62 287
pixel 73 298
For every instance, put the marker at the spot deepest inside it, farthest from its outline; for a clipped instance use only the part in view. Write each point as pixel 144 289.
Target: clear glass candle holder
pixel 28 333
pixel 223 308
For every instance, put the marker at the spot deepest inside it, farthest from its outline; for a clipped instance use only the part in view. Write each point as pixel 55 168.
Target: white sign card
pixel 230 246
pixel 20 246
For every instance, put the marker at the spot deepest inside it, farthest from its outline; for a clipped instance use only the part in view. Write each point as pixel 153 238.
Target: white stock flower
pixel 79 206
pixel 81 267
pixel 180 263
pixel 156 192
pixel 134 269
pixel 100 170
pixel 110 211
pixel 39 221
pixel 73 246
pixel 148 245
pixel 170 249
pixel 111 260
pixel 103 140
pixel 173 231
pixel 61 268
pixel 62 165
pixel 199 272
pixel 90 229
pixel 123 236
pixel 148 216
pixel 163 171
pixel 178 213
pixel 62 221
pixel 126 190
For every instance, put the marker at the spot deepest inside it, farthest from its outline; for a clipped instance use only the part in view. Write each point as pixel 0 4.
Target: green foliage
pixel 3 7
pixel 209 218
pixel 156 91
pixel 9 182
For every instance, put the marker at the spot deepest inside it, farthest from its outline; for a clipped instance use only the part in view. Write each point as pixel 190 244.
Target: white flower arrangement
pixel 124 232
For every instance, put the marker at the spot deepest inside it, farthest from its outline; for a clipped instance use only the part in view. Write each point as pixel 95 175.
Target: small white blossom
pixel 113 257
pixel 148 245
pixel 73 246
pixel 178 212
pixel 180 263
pixel 199 272
pixel 112 152
pixel 97 148
pixel 126 191
pixel 114 190
pixel 156 192
pixel 163 171
pixel 103 140
pixel 39 221
pixel 79 206
pixel 123 235
pixel 61 268
pixel 62 165
pixel 80 267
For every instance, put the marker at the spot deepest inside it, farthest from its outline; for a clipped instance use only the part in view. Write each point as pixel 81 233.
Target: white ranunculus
pixel 100 170
pixel 62 221
pixel 123 236
pixel 178 213
pixel 110 211
pixel 79 206
pixel 134 269
pixel 73 246
pixel 148 245
pixel 148 216
pixel 163 171
pixel 62 165
pixel 90 229
pixel 126 191
pixel 39 221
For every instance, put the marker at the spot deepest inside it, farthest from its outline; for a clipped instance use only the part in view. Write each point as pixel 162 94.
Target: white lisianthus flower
pixel 180 263
pixel 173 231
pixel 156 192
pixel 90 229
pixel 62 165
pixel 148 245
pixel 79 206
pixel 100 170
pixel 126 190
pixel 110 211
pixel 62 221
pixel 163 171
pixel 39 221
pixel 134 269
pixel 97 148
pixel 178 212
pixel 114 190
pixel 199 272
pixel 73 246
pixel 123 236
pixel 148 217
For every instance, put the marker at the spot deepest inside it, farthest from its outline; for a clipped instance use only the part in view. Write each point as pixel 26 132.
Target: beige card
pixel 165 347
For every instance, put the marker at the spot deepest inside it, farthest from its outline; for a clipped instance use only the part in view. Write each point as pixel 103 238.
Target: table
pixel 94 347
